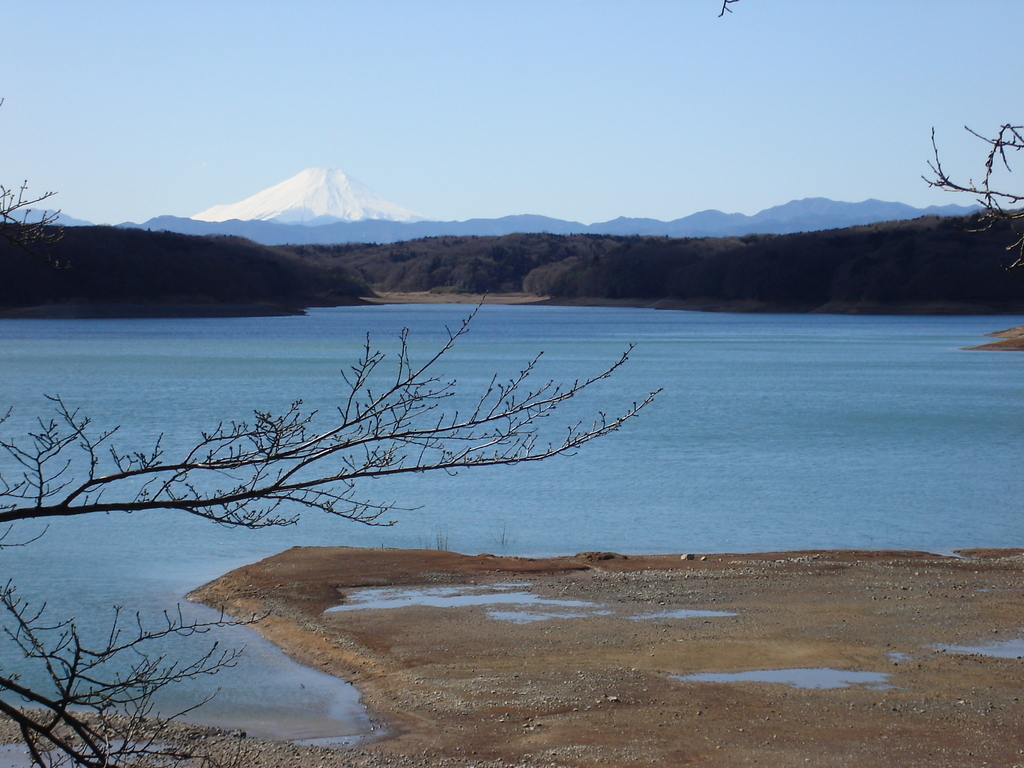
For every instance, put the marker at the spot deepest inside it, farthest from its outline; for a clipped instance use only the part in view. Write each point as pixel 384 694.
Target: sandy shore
pixel 605 683
pixel 1012 340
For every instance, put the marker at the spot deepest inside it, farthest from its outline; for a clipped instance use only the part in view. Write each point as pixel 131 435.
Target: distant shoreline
pixel 758 307
pixel 938 308
pixel 1013 337
pixel 105 311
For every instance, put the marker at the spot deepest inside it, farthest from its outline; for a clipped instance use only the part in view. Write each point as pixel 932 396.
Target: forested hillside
pixel 935 261
pixel 459 264
pixel 931 263
pixel 91 265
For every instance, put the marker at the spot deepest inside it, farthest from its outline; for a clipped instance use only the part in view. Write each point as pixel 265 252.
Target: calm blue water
pixel 772 432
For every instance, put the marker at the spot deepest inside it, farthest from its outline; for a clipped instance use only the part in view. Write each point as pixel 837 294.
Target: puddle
pixel 898 657
pixel 679 613
pixel 820 677
pixel 447 597
pixel 1001 649
pixel 525 607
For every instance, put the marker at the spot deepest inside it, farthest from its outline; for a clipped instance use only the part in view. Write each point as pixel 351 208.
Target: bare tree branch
pixel 94 710
pixel 278 464
pixel 998 204
pixel 725 7
pixel 18 223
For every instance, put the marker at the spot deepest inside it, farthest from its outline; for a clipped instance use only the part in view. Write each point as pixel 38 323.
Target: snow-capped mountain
pixel 315 196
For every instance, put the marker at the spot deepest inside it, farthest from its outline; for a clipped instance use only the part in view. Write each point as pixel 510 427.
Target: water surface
pixel 772 432
pixel 810 677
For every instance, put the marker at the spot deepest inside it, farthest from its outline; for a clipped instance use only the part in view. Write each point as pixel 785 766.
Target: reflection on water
pixel 528 606
pixel 445 597
pixel 819 677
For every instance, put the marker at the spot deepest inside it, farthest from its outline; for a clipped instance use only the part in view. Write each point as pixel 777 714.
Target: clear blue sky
pixel 577 109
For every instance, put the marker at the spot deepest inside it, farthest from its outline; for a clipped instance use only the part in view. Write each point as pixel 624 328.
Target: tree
pixel 17 224
pixel 997 204
pixel 16 217
pixel 97 710
pixel 252 474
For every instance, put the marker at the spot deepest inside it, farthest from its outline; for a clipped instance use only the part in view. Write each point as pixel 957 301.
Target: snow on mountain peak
pixel 316 195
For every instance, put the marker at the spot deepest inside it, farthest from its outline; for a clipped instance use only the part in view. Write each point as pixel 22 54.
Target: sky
pixel 456 109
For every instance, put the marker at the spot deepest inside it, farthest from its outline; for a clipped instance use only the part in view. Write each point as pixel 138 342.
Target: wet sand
pixel 604 684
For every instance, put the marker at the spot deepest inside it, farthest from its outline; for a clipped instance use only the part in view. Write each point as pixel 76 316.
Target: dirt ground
pixel 603 684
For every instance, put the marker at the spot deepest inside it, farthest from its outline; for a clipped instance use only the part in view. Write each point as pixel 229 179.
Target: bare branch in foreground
pixel 95 710
pixel 279 464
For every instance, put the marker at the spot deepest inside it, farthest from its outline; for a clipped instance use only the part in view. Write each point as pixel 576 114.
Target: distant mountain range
pixel 55 217
pixel 808 215
pixel 324 206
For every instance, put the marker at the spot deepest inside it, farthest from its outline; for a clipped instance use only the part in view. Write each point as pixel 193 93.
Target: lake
pixel 772 432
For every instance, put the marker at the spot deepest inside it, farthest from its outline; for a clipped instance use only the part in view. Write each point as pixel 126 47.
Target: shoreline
pixel 108 311
pixel 579 687
pixel 1012 340
pixel 937 308
pixel 75 311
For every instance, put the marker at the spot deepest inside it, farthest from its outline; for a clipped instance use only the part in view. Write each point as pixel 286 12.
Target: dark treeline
pixel 867 268
pixel 119 266
pixel 924 261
